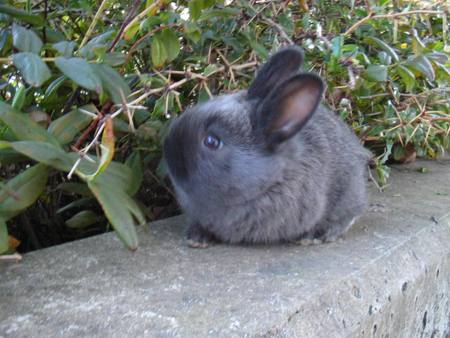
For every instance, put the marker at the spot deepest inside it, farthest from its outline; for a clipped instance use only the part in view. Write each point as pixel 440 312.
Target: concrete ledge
pixel 389 277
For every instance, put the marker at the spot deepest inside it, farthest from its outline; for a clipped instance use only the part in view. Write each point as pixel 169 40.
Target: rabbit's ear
pixel 278 68
pixel 288 107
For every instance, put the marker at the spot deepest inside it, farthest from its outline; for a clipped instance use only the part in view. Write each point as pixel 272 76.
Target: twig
pixel 119 35
pixel 71 100
pixel 142 38
pixel 93 23
pixel 125 106
pixel 183 81
pixel 280 30
pixel 143 14
pixel 44 29
pixel 388 16
pixel 228 65
pixel 14 257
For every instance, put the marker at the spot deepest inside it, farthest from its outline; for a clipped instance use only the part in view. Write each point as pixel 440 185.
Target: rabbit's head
pixel 233 147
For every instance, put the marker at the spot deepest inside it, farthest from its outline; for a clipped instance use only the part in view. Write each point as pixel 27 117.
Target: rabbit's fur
pixel 287 168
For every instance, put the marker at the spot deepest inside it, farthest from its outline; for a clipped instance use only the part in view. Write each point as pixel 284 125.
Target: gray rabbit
pixel 269 164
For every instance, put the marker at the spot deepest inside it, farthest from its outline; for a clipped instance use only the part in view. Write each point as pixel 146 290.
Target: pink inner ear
pixel 297 105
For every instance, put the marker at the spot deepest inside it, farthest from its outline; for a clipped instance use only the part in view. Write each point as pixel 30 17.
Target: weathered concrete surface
pixel 389 277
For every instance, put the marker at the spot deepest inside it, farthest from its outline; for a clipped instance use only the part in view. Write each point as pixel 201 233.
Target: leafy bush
pixel 83 84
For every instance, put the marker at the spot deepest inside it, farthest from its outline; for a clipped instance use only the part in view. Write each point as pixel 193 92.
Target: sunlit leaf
pixel 107 149
pixel 158 52
pixel 171 44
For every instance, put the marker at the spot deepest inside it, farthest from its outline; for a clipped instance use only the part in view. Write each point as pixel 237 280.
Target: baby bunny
pixel 269 164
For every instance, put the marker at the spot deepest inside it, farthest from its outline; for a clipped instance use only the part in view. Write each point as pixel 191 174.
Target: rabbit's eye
pixel 212 142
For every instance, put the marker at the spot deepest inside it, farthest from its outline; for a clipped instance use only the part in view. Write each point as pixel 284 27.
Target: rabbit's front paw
pixel 197 237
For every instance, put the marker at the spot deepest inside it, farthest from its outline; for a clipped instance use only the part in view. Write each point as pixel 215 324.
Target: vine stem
pixel 9 59
pixel 93 23
pixel 388 16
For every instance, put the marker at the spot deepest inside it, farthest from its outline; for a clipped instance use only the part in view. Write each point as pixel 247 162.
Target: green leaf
pixel 377 73
pixel 442 71
pixel 385 58
pixel 33 69
pixel 81 202
pixel 438 57
pixel 417 45
pixel 4 240
pixel 372 40
pixel 121 211
pixel 398 153
pixel 112 82
pixel 23 127
pixel 107 149
pixel 45 153
pixel 75 188
pixel 132 31
pixel 195 9
pixel 158 52
pixel 336 45
pixel 22 15
pixel 26 40
pixel 259 49
pixel 220 13
pixel 4 38
pixel 22 190
pixel 83 219
pixel 19 97
pixel 66 127
pixel 65 48
pixel 407 76
pixel 80 71
pixel 53 87
pixel 114 59
pixel 422 65
pixel 171 44
pixel 135 164
pixel 116 174
pixel 97 42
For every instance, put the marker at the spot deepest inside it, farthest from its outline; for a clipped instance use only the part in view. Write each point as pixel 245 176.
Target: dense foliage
pixel 86 82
